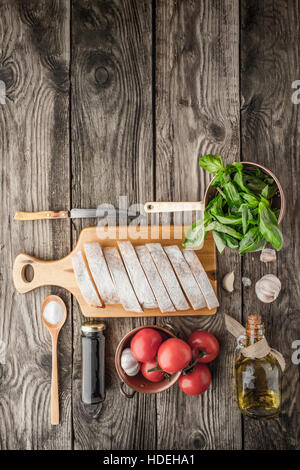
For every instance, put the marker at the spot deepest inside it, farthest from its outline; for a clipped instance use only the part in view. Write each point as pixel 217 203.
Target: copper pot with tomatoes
pixel 150 359
pixel 138 383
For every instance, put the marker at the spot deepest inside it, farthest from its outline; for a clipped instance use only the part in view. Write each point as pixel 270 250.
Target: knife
pixel 75 214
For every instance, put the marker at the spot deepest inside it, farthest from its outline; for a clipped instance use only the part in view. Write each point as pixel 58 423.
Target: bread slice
pixel 84 281
pixel 137 276
pixel 124 288
pixel 160 292
pixel 168 276
pixel 100 273
pixel 185 277
pixel 201 278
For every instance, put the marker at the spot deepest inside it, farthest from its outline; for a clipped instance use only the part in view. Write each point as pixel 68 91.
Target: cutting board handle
pixel 44 273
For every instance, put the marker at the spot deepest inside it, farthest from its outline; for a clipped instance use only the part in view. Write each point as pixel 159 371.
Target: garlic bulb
pixel 129 363
pixel 267 288
pixel 228 281
pixel 268 255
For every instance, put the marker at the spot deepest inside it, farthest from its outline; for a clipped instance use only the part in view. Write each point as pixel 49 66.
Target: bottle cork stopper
pixel 254 325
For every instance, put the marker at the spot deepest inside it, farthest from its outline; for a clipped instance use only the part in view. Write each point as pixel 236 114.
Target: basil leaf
pixel 221 178
pixel 244 218
pixel 223 175
pixel 224 229
pixel 195 235
pixel 217 201
pixel 232 196
pixel 227 219
pixel 238 166
pixel 269 227
pixel 269 191
pixel 221 193
pixel 239 180
pixel 250 199
pixel 267 179
pixel 253 183
pixel 276 212
pixel 252 241
pixel 231 242
pixel 211 163
pixel 219 241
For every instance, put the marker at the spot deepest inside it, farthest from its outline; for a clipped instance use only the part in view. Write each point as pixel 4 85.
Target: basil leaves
pixel 240 215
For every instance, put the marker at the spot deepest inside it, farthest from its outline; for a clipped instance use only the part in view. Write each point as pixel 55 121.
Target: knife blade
pixel 76 214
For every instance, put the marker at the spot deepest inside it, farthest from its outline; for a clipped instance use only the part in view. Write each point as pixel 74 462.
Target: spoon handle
pixel 155 207
pixel 54 384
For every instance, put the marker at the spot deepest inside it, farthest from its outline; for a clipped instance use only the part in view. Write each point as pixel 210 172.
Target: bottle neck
pixel 253 335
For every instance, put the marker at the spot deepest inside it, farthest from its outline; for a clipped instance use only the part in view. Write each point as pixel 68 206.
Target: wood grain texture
pixel 111 157
pixel 135 63
pixel 270 36
pixel 34 64
pixel 197 112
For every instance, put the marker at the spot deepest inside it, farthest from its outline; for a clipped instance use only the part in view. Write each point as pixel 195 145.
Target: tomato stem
pixel 155 369
pixel 194 362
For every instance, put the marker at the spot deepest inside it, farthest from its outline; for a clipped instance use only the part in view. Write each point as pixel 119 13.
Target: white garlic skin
pixel 246 281
pixel 268 255
pixel 268 288
pixel 129 363
pixel 228 281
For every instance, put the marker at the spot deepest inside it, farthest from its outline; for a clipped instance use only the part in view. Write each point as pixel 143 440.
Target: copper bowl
pixel 138 383
pixel 278 201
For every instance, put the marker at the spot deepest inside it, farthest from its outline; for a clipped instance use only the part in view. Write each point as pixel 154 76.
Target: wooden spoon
pixel 54 332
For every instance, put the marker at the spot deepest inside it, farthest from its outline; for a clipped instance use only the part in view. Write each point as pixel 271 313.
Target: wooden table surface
pixel 121 97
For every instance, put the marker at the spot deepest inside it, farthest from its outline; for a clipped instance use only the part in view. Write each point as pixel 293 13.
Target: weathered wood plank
pixel 197 112
pixel 34 150
pixel 270 37
pixel 112 156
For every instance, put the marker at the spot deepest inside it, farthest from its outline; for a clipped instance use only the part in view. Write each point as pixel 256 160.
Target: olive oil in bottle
pixel 258 381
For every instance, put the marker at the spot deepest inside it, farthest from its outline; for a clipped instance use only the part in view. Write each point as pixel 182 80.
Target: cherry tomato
pixel 155 376
pixel 197 381
pixel 145 343
pixel 204 341
pixel 173 355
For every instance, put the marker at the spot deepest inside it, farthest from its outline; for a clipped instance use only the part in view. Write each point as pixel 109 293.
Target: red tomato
pixel 197 381
pixel 145 343
pixel 204 341
pixel 173 355
pixel 155 376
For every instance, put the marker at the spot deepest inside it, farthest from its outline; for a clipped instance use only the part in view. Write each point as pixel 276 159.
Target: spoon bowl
pixel 55 298
pixel 54 330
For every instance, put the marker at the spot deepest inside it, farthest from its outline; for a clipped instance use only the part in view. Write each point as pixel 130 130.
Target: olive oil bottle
pixel 258 381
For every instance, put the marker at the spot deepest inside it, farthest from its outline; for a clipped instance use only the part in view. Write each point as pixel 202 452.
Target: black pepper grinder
pixel 93 363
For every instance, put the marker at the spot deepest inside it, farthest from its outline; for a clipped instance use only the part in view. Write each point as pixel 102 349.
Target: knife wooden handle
pixel 19 215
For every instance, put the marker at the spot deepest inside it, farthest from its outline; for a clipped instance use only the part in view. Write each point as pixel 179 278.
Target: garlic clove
pixel 129 363
pixel 132 371
pixel 228 281
pixel 268 288
pixel 267 255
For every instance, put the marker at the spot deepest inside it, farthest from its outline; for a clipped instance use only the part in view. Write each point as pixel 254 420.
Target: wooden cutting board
pixel 60 273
